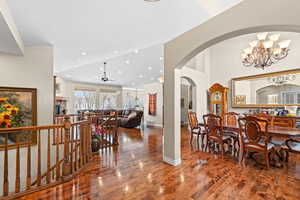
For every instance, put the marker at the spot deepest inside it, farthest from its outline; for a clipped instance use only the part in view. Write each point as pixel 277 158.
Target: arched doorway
pixel 236 21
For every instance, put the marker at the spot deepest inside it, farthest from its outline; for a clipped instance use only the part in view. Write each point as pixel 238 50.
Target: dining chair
pixel 291 146
pixel 195 129
pixel 215 133
pixel 254 137
pixel 231 119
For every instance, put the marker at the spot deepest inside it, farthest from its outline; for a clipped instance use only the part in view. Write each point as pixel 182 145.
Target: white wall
pixel 33 70
pixel 151 89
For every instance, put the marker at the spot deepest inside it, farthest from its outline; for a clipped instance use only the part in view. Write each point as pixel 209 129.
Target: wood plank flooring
pixel 135 171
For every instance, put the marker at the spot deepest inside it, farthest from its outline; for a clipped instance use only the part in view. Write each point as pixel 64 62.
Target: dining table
pixel 283 133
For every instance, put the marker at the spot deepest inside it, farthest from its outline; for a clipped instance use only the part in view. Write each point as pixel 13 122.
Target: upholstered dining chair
pixel 255 137
pixel 292 146
pixel 195 129
pixel 215 132
pixel 231 119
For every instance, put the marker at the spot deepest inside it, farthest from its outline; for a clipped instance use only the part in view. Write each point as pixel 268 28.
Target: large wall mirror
pixel 267 90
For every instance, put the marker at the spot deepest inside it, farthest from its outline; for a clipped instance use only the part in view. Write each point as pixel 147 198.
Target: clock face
pixel 217 96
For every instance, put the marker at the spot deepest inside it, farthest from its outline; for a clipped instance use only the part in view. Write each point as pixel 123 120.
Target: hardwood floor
pixel 135 171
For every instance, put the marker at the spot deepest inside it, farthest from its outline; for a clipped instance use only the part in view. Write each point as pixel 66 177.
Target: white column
pixel 171 137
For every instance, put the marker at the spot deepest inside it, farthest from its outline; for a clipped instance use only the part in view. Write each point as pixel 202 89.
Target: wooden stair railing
pixel 107 131
pixel 55 160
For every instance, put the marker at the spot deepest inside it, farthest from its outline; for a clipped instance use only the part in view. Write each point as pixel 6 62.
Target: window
pixel 272 99
pixel 291 97
pixel 108 100
pixel 85 100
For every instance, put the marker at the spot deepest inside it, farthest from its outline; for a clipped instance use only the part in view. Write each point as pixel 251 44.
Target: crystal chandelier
pixel 280 80
pixel 265 51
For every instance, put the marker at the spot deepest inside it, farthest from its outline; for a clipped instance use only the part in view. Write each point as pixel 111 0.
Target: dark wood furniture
pixel 292 146
pixel 255 137
pixel 218 99
pixel 231 118
pixel 285 133
pixel 282 121
pixel 195 129
pixel 215 133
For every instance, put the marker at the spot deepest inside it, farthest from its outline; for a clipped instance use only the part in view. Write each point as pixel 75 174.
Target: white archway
pixel 236 21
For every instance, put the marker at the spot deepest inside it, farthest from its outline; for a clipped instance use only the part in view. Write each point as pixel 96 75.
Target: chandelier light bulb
pixel 274 37
pixel 284 43
pixel 248 50
pixel 268 44
pixel 254 43
pixel 262 36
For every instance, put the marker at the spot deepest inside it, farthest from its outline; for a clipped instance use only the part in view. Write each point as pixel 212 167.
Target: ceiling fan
pixel 105 78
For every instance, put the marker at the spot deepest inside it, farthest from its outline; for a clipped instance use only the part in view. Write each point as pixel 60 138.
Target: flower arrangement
pixel 10 115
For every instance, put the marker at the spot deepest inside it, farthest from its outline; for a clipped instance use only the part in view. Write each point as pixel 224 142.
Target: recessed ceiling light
pixel 127 62
pixel 136 51
pixel 83 53
pixel 161 71
pixel 141 76
pixel 150 68
pixel 161 58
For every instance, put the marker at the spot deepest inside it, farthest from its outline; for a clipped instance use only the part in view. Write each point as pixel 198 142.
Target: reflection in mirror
pixel 273 89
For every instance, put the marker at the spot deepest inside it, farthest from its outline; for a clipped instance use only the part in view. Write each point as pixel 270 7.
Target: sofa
pixel 127 118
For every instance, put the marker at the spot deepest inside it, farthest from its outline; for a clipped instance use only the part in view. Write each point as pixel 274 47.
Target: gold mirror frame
pixel 234 105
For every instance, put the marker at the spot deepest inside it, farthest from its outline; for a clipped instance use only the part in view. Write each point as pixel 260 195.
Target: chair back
pixel 231 119
pixel 265 116
pixel 253 130
pixel 193 120
pixel 212 124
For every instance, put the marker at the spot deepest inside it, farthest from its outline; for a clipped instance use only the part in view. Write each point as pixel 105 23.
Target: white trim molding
pixel 153 124
pixel 171 161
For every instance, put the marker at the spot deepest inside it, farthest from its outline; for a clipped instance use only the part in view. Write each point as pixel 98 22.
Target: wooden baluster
pixel 5 178
pixel 66 162
pixel 28 178
pixel 48 178
pixel 81 145
pixel 17 183
pixel 72 140
pixel 76 149
pixel 90 140
pixel 84 145
pixel 87 142
pixel 57 156
pixel 61 136
pixel 39 173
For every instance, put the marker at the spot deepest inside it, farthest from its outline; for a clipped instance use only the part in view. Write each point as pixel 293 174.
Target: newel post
pixel 67 164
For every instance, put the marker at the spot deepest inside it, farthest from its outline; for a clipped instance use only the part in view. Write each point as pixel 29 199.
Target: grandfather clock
pixel 218 99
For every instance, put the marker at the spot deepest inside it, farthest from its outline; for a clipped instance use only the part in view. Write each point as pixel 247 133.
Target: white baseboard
pixel 171 161
pixel 153 124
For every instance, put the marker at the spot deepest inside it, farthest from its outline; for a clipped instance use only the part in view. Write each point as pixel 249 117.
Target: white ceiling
pixel 109 30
